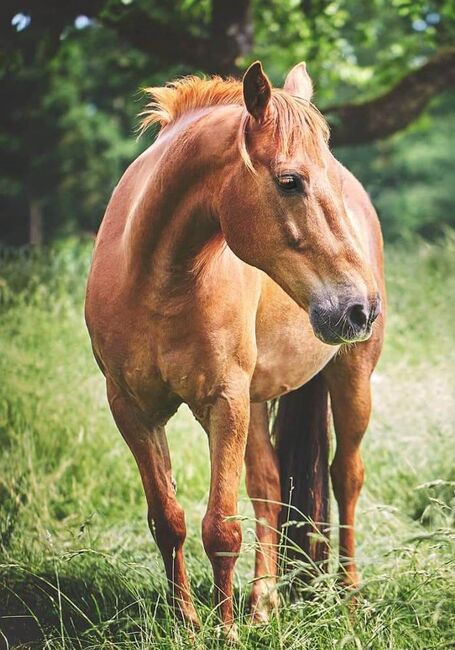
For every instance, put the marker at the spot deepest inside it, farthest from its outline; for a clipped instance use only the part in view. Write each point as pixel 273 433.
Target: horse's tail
pixel 302 442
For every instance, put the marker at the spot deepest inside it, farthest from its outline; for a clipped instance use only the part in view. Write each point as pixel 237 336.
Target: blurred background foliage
pixel 71 74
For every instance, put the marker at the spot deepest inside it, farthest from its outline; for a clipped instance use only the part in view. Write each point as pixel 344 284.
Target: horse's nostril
pixel 358 316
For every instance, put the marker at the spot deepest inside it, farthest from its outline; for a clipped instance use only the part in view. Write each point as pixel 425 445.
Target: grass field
pixel 78 567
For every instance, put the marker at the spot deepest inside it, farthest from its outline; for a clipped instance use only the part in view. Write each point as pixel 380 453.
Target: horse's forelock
pixel 297 123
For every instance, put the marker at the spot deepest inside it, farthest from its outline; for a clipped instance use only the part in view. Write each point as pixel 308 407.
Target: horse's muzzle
pixel 349 322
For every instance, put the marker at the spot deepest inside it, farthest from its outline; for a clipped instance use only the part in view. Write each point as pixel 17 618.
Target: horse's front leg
pixel 226 422
pixel 165 515
pixel 350 396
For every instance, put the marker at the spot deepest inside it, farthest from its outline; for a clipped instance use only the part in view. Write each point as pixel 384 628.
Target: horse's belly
pixel 288 353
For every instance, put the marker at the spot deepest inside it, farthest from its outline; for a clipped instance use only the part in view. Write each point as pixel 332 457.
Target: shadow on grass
pixel 88 602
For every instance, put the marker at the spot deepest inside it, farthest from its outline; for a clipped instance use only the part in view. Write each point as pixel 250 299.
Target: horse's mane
pixel 297 122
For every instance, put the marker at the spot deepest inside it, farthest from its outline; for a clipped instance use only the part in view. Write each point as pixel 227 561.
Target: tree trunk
pixel 36 223
pixel 231 35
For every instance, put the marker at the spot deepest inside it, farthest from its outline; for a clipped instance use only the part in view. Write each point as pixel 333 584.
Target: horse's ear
pixel 298 82
pixel 257 91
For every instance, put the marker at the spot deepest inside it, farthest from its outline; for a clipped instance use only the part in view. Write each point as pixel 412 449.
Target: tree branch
pixel 380 117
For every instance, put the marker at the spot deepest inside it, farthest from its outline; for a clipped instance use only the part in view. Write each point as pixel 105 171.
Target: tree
pixel 216 36
pixel 69 70
pixel 66 135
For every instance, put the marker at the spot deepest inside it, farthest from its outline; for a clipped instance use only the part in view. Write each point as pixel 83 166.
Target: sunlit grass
pixel 78 567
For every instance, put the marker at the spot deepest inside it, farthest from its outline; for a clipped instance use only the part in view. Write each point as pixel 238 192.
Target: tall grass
pixel 78 568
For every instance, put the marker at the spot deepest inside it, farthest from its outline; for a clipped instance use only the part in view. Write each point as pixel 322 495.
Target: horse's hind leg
pixel 165 516
pixel 263 486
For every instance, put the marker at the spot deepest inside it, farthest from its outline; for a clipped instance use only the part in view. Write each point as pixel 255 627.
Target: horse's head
pixel 282 209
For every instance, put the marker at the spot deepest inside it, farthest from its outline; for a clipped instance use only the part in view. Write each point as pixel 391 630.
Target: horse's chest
pixel 288 352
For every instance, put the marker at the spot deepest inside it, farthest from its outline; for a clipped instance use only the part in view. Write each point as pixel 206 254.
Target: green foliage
pixel 96 121
pixel 354 49
pixel 410 176
pixel 67 122
pixel 78 567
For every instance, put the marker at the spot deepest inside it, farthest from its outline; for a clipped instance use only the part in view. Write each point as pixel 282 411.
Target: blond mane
pixel 297 122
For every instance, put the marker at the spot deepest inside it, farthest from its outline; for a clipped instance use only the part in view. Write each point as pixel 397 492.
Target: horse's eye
pixel 288 182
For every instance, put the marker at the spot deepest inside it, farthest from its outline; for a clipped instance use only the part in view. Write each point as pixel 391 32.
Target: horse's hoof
pixel 263 607
pixel 348 579
pixel 349 586
pixel 260 615
pixel 232 635
pixel 192 623
pixel 229 632
pixel 187 615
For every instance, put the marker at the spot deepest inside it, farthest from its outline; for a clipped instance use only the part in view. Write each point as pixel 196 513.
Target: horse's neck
pixel 173 217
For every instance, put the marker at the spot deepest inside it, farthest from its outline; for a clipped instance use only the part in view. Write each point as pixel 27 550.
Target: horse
pixel 238 262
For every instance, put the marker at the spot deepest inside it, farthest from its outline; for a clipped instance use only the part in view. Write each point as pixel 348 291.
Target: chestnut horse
pixel 237 262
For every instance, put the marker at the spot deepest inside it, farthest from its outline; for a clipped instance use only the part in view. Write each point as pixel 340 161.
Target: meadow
pixel 78 566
